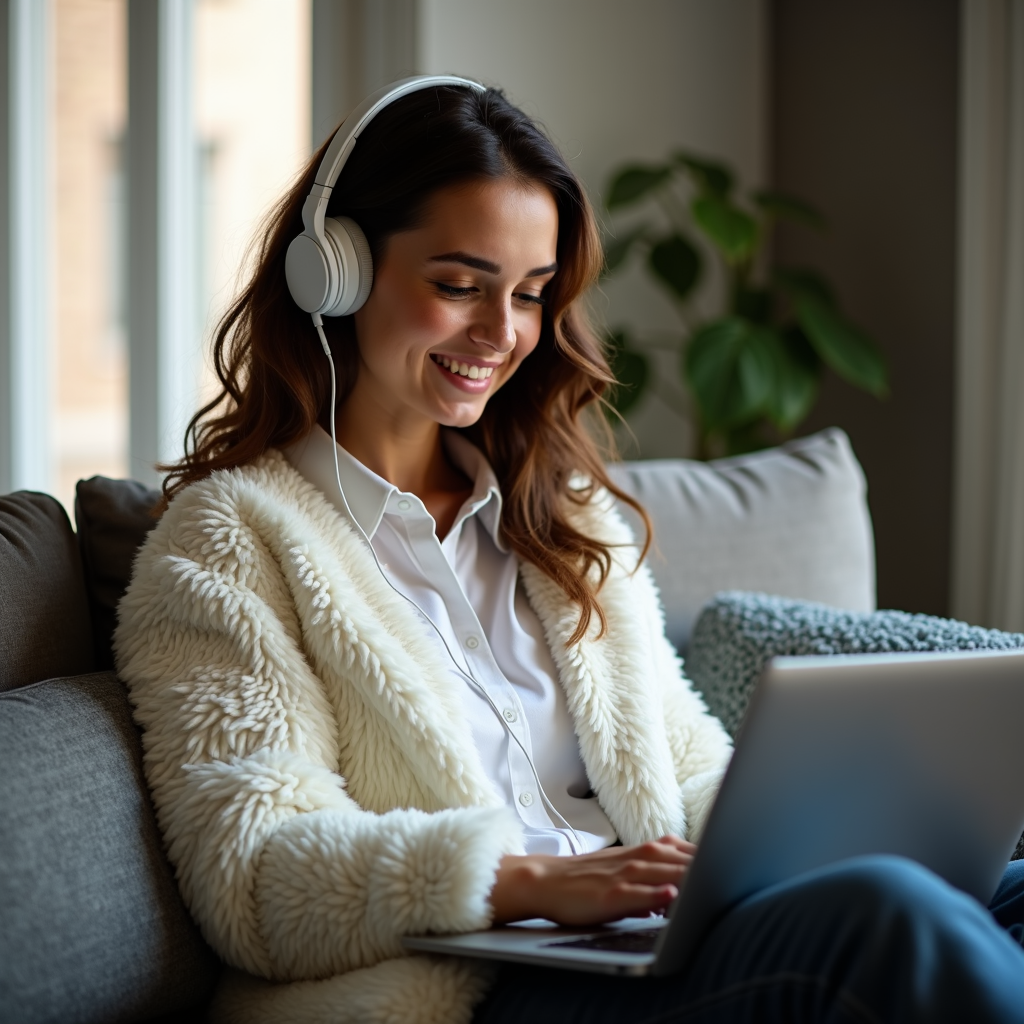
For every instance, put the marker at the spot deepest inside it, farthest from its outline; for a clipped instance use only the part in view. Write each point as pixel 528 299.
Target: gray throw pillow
pixel 113 518
pixel 93 929
pixel 44 613
pixel 793 520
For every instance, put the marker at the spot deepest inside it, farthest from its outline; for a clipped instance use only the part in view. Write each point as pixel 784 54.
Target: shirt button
pixel 510 715
pixel 526 799
pixel 405 504
pixel 472 643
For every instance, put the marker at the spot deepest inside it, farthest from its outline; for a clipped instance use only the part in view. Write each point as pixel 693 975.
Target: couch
pixel 92 928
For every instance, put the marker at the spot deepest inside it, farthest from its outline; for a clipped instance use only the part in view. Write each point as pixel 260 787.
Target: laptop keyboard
pixel 640 941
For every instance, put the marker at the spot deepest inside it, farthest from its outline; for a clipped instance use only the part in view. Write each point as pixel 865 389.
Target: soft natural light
pixel 252 65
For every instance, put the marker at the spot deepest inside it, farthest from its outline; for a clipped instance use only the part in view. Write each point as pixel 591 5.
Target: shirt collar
pixel 485 501
pixel 368 494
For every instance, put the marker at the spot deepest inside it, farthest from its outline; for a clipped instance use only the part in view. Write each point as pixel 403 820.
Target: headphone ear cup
pixel 351 252
pixel 310 270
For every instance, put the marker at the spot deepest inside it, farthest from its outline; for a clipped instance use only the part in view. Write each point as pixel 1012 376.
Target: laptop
pixel 920 755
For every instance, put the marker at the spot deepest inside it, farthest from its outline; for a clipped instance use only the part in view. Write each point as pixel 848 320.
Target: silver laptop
pixel 920 755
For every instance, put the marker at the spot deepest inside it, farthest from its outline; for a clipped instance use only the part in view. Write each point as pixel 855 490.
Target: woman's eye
pixel 454 291
pixel 529 299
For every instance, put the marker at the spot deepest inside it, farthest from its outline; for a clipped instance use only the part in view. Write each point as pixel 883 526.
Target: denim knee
pixel 887 892
pixel 889 883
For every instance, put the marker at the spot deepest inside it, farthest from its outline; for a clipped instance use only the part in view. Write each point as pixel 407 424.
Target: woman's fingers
pixel 592 888
pixel 650 872
pixel 683 845
pixel 633 901
pixel 670 849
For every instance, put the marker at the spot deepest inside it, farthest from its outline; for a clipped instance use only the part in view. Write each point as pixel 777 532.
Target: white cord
pixel 318 323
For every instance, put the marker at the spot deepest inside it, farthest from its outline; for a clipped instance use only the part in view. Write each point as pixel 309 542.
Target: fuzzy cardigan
pixel 317 787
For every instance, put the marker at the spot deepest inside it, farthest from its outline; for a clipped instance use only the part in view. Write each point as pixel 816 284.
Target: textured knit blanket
pixel 738 632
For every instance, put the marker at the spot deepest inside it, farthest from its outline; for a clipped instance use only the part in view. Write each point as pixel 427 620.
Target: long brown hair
pixel 275 383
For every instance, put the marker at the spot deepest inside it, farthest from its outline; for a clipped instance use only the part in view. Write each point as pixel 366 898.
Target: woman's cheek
pixel 432 315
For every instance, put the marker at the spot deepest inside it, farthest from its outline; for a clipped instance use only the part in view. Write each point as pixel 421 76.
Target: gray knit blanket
pixel 738 632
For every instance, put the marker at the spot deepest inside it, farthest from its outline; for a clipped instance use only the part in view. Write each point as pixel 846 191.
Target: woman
pixel 427 688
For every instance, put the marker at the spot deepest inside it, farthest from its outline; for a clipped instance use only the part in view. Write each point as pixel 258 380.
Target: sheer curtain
pixel 988 554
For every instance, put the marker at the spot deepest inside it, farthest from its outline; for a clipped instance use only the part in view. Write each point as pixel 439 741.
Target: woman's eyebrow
pixel 479 263
pixel 476 262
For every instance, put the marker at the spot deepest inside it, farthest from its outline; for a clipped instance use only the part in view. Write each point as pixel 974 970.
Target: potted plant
pixel 754 371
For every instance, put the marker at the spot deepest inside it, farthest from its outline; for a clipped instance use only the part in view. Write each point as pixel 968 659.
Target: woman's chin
pixel 464 416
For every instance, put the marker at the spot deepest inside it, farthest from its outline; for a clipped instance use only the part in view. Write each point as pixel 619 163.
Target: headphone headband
pixel 347 135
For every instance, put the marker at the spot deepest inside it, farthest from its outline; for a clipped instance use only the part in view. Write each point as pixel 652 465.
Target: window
pixel 250 96
pixel 252 115
pixel 89 369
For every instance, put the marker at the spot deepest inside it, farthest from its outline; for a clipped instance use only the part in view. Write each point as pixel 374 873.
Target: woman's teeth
pixel 464 369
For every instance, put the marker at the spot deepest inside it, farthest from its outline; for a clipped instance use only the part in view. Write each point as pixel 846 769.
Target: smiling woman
pixel 483 243
pixel 416 679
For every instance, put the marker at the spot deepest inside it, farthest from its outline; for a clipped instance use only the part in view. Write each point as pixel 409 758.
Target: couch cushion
pixel 44 614
pixel 792 520
pixel 113 518
pixel 93 928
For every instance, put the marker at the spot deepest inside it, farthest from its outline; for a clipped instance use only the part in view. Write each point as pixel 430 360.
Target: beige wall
pixel 616 81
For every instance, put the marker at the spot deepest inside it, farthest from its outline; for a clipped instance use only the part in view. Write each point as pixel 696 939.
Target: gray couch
pixel 92 928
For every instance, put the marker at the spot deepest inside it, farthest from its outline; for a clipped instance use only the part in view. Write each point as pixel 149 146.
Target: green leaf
pixel 630 370
pixel 783 207
pixel 617 249
pixel 843 346
pixel 730 368
pixel 797 379
pixel 711 178
pixel 676 263
pixel 799 281
pixel 633 183
pixel 732 230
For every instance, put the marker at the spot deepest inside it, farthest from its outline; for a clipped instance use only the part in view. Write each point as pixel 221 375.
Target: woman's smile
pixel 464 372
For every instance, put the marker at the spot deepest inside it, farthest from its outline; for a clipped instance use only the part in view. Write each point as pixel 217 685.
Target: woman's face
pixel 456 302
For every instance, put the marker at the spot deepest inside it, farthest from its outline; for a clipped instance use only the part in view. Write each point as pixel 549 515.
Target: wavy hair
pixel 275 383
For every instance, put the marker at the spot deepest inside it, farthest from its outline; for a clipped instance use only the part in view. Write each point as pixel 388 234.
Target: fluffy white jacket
pixel 317 787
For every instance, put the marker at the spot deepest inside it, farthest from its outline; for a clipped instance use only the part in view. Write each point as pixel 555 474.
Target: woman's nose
pixel 494 327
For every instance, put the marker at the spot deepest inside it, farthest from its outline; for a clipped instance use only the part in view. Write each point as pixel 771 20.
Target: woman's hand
pixel 621 881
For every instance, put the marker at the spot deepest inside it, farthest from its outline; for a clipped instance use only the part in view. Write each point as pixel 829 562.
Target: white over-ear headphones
pixel 328 267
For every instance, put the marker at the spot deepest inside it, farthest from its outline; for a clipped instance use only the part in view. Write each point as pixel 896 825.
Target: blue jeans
pixel 872 939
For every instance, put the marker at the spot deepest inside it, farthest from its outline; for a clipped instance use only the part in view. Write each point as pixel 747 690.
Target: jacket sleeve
pixel 286 875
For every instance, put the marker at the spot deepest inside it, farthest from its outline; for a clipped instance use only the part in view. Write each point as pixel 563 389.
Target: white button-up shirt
pixel 469 585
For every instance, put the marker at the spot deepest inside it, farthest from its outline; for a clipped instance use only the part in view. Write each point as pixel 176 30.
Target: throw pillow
pixel 113 518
